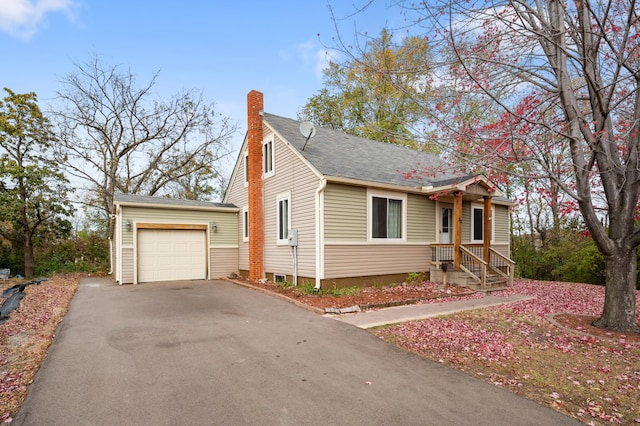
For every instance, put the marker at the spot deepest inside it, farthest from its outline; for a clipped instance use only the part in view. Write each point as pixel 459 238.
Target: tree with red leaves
pixel 555 92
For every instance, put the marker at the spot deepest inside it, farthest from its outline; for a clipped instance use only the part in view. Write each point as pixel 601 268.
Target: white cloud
pixel 21 18
pixel 322 59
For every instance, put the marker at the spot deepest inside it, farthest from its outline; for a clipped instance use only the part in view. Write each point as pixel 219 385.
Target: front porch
pixel 477 263
pixel 472 271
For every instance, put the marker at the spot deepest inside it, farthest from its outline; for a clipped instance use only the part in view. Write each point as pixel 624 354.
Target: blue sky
pixel 224 48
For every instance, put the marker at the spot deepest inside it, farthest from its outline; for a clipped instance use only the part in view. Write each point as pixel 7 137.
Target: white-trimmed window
pixel 246 168
pixel 245 224
pixel 283 211
pixel 268 160
pixel 477 223
pixel 387 216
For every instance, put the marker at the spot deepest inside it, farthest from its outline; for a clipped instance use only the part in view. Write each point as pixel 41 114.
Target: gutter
pixel 320 232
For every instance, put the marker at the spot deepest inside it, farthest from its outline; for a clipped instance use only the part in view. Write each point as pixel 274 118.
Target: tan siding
pixel 501 224
pixel 237 191
pixel 466 222
pixel 227 222
pixel 501 248
pixel 223 261
pixel 421 219
pixel 363 260
pixel 127 265
pixel 345 217
pixel 237 195
pixel 291 174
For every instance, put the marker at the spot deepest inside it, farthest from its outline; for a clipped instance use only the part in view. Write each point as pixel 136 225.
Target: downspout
pixel 320 232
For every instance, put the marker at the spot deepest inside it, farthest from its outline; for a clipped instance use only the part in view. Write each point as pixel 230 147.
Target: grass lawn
pixel 595 379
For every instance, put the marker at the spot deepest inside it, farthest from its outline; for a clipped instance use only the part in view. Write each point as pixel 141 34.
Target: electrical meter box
pixel 292 237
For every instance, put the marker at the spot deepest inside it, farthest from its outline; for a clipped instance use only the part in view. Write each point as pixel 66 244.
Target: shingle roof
pixel 335 153
pixel 143 199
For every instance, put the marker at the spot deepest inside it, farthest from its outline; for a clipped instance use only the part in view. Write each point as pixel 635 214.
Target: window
pixel 284 213
pixel 246 168
pixel 477 223
pixel 245 224
pixel 267 157
pixel 387 217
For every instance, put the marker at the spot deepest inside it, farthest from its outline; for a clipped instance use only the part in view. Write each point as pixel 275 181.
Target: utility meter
pixel 292 237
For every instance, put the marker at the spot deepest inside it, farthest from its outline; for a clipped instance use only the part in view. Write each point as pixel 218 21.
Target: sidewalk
pixel 397 314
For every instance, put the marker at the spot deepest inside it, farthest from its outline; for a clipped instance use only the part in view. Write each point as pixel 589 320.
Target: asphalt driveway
pixel 214 353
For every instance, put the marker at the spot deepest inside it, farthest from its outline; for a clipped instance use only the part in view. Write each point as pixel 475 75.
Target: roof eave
pixel 371 184
pixel 175 206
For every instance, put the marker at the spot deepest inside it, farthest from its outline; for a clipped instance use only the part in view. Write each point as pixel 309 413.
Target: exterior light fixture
pixel 213 226
pixel 128 225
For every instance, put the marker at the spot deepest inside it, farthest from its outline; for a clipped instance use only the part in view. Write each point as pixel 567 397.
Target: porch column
pixel 487 228
pixel 457 229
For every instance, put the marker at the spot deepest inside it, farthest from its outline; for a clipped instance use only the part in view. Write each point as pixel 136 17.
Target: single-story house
pixel 317 206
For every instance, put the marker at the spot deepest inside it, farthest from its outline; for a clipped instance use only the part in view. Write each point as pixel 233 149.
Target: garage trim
pixel 179 226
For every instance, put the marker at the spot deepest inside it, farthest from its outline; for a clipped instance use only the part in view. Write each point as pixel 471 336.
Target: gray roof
pixel 335 153
pixel 144 199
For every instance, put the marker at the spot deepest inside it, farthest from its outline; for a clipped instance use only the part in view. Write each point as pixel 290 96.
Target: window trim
pixel 246 168
pixel 268 141
pixel 245 224
pixel 473 224
pixel 279 198
pixel 388 195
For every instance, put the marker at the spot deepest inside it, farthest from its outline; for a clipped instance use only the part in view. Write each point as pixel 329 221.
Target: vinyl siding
pixel 227 222
pixel 127 265
pixel 237 194
pixel 466 222
pixel 345 213
pixel 223 261
pixel 502 234
pixel 353 260
pixel 502 249
pixel 292 175
pixel 421 219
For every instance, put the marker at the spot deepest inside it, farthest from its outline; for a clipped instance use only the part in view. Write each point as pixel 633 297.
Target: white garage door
pixel 171 254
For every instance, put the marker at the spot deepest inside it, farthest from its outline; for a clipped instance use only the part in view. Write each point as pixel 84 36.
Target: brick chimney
pixel 255 106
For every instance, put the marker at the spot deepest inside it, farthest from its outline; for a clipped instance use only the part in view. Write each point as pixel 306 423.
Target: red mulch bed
pixel 582 324
pixel 367 297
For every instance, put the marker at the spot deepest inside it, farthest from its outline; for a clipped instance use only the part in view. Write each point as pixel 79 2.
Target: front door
pixel 446 225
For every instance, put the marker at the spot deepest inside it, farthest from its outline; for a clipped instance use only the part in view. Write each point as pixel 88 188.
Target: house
pixel 331 209
pixel 159 239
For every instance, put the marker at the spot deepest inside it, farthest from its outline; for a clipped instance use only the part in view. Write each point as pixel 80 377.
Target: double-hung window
pixel 283 216
pixel 387 216
pixel 245 224
pixel 246 168
pixel 267 157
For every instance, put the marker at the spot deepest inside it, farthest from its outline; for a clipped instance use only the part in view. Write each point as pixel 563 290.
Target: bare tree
pixel 567 78
pixel 116 136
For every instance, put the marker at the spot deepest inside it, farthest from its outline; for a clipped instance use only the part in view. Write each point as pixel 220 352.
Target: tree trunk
pixel 620 302
pixel 29 262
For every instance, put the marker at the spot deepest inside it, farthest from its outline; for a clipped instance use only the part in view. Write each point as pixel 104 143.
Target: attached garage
pixel 159 239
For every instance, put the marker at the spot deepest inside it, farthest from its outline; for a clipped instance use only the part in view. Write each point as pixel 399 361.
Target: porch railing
pixel 502 265
pixel 471 261
pixel 474 266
